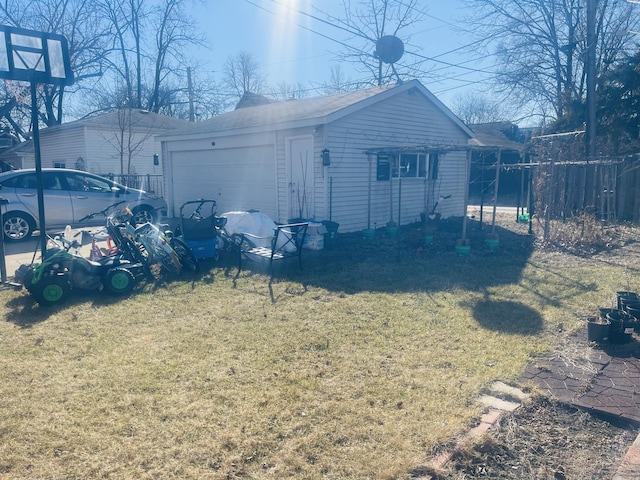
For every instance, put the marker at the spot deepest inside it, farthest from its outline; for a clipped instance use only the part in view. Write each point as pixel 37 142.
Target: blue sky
pixel 271 31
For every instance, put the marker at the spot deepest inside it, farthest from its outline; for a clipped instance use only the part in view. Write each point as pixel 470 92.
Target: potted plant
pixel 463 246
pixel 492 241
pixel 369 233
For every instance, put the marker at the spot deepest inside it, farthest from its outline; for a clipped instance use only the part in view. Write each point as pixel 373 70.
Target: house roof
pixel 251 100
pixel 20 150
pixel 307 111
pixel 137 118
pixel 492 135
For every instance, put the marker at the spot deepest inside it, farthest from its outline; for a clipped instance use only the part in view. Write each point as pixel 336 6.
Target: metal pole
pixel 36 150
pixel 330 198
pixel 3 263
pixel 495 193
pixel 467 167
pixel 399 200
pixel 391 191
pixel 369 194
pixel 591 79
pixel 399 218
pixel 192 113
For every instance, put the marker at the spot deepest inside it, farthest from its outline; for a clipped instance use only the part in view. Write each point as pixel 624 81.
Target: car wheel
pixel 17 226
pixel 120 281
pixel 142 215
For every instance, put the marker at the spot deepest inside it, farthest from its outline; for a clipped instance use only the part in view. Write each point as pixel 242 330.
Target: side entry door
pixel 301 181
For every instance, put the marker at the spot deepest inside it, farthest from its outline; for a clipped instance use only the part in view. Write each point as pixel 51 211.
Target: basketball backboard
pixel 33 56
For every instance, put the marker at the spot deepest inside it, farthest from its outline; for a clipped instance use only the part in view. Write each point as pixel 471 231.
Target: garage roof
pixel 308 111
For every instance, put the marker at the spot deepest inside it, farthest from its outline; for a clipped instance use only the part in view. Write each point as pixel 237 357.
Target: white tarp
pixel 258 224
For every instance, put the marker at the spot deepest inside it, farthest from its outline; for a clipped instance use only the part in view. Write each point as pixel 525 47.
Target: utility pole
pixel 192 115
pixel 591 80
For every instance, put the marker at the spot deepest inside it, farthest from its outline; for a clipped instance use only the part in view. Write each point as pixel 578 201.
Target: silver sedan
pixel 69 195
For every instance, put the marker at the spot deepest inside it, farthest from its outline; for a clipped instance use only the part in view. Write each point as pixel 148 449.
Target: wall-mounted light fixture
pixel 156 159
pixel 326 158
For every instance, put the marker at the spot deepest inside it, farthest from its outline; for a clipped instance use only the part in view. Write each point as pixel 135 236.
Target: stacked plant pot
pixel 623 323
pixel 616 325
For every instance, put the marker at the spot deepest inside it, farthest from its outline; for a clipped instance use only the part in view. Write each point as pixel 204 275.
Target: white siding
pixel 104 147
pixel 341 189
pixel 100 150
pixel 63 147
pixel 406 119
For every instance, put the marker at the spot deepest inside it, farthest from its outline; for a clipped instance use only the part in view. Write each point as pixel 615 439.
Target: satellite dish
pixel 389 48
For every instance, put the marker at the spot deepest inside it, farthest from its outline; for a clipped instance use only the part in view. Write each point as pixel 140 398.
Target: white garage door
pixel 238 179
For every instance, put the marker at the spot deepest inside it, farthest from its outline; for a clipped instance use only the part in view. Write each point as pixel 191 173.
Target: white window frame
pixel 414 165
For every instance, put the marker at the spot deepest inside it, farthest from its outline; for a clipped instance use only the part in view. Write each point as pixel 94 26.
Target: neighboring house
pixel 359 159
pixel 17 155
pixel 12 151
pixel 119 142
pixel 493 140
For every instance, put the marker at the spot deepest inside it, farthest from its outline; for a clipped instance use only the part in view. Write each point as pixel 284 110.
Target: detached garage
pixel 359 158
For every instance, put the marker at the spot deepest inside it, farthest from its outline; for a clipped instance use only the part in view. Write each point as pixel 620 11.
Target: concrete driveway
pixel 28 251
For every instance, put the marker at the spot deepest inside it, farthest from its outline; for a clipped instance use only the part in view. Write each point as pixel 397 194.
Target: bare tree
pixel 124 19
pixel 540 47
pixel 86 33
pixel 366 21
pixel 338 82
pixel 242 74
pixel 288 91
pixel 174 30
pixel 149 42
pixel 474 107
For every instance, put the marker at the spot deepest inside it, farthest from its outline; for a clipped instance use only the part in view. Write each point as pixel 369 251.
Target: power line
pixel 301 12
pixel 435 59
pixel 357 33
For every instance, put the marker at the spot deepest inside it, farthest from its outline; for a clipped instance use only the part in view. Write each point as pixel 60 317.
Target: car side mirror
pixel 116 190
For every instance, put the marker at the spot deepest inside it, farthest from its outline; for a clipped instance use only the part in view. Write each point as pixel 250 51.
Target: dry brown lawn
pixel 360 366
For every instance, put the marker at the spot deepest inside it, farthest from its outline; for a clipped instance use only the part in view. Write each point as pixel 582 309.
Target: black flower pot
pixel 626 297
pixel 597 330
pixel 622 326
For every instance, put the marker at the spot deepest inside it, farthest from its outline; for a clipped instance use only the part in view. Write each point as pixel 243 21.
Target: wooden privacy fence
pixel 609 189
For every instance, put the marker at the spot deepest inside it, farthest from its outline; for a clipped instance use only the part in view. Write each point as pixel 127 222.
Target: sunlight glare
pixel 287 37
